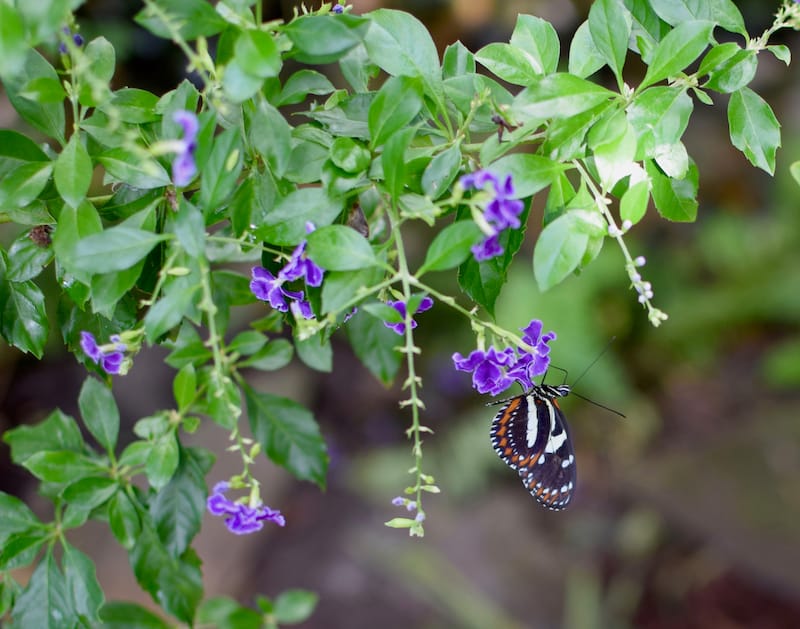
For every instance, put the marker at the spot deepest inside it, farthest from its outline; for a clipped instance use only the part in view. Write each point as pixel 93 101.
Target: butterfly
pixel 530 434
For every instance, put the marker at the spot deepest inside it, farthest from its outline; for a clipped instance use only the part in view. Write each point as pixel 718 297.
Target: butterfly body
pixel 531 435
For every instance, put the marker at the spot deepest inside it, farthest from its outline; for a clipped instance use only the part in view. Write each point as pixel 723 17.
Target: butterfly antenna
pixel 591 364
pixel 597 404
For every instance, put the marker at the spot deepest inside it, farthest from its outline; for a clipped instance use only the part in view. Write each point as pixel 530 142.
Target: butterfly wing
pixel 531 435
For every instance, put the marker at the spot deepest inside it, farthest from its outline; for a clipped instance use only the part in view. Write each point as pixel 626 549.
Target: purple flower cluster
pixel 410 505
pixel 109 361
pixel 501 213
pixel 401 307
pixel 267 287
pixel 494 371
pixel 77 39
pixel 240 518
pixel 183 166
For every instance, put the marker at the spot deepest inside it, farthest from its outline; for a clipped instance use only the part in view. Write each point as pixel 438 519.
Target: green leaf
pixel 288 434
pixel 100 59
pixel 275 355
pixel 123 519
pixel 781 53
pixel 221 172
pixel 162 461
pixel 301 84
pixel 395 105
pixel 192 18
pixel 732 72
pixel 61 466
pixel 451 246
pixel 175 583
pixel 441 172
pixel 679 48
pixel 91 492
pixel 124 166
pixel 340 287
pixel 584 57
pixel 375 344
pixel 168 311
pixel 270 134
pixel 610 27
pixel 323 38
pixel 20 549
pixel 400 45
pixel 225 613
pixel 393 161
pixel 99 412
pixel 754 129
pixel 26 259
pixel 45 602
pixel 286 223
pixel 350 155
pixel 17 517
pixel 509 63
pixel 294 606
pixel 184 387
pixel 562 245
pixel 57 431
pixel 224 400
pixel 316 352
pixel 675 199
pixel 116 615
pixel 633 204
pixel 115 249
pixel 134 106
pixel 722 12
pixel 190 229
pixel 539 41
pixel 529 173
pixel 340 248
pixel 46 117
pixel 82 585
pixel 73 171
pixel 23 184
pixel 257 54
pixel 558 95
pixel 178 509
pixel 23 320
pixel 12 41
pixel 659 115
pixel 15 145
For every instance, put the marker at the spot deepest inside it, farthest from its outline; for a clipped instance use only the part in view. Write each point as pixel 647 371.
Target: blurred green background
pixel 687 512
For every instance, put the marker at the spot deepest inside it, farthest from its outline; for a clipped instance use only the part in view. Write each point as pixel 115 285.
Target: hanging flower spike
pixel 400 306
pixel 494 371
pixel 110 357
pixel 500 213
pixel 240 518
pixel 183 166
pixel 488 369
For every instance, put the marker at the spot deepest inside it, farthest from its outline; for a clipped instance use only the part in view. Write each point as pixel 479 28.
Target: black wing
pixel 531 435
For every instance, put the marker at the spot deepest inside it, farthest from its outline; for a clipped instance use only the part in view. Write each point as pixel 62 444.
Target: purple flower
pixel 109 360
pixel 183 166
pixel 494 371
pixel 266 287
pixel 240 518
pixel 500 213
pixel 337 8
pixel 488 369
pixel 77 39
pixel 400 306
pixel 300 265
pixel 488 248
